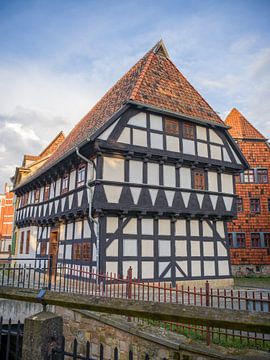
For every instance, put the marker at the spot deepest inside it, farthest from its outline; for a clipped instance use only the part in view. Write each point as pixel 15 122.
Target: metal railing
pixel 11 337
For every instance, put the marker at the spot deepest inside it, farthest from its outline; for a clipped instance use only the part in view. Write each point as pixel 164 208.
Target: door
pixel 53 251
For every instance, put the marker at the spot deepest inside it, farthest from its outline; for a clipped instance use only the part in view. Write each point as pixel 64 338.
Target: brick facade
pixel 6 220
pixel 253 188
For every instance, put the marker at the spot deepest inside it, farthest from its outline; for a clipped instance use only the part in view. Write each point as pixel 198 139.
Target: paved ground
pixel 252 282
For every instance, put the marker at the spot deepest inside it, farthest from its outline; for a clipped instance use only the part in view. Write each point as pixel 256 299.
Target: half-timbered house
pixel 145 180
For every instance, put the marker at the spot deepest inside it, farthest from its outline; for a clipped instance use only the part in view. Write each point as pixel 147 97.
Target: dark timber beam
pixel 220 318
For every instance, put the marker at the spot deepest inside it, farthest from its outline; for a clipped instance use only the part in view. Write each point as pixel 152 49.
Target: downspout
pixel 90 200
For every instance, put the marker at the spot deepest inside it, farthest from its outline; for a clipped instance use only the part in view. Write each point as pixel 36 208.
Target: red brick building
pixel 6 220
pixel 249 234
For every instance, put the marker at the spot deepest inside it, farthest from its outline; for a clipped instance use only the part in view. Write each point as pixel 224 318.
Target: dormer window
pixel 65 182
pixel 46 192
pixel 171 127
pixel 36 195
pixel 188 131
pixel 81 175
pixel 262 176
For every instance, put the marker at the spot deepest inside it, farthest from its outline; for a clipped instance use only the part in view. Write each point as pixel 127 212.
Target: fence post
pixel 129 283
pixel 50 272
pixel 207 303
pixel 43 332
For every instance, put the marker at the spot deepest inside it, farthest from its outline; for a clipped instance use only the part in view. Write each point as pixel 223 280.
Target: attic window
pixel 199 180
pixel 36 197
pixel 172 127
pixel 188 131
pixel 46 192
pixel 65 181
pixel 81 175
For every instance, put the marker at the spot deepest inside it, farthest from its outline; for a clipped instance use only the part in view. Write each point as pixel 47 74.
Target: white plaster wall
pixel 188 147
pixel 138 120
pixel 156 141
pixel 194 228
pixel 135 171
pixel 153 173
pixel 113 169
pixel 180 227
pixel 215 152
pixel 112 224
pixel 125 136
pixel 212 181
pixel 72 180
pixel 112 249
pixel 202 149
pixel 156 122
pixel 169 175
pixel 139 137
pixel 214 137
pixel 201 132
pixel 147 248
pixel 172 143
pixel 185 177
pixel 227 183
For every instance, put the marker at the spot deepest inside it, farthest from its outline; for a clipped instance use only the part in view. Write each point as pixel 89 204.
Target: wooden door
pixel 53 250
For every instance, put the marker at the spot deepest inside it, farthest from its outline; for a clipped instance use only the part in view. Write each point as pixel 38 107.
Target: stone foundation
pixel 250 270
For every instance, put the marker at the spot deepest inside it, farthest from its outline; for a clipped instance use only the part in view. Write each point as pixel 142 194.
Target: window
pixel 76 252
pixel 25 199
pixel 81 251
pixel 237 178
pixel 43 248
pixel 27 245
pixel 230 239
pixel 269 204
pixel 81 175
pixel 255 205
pixel 189 131
pixel 86 255
pixel 266 240
pixel 36 196
pixel 22 243
pixel 46 192
pixel 239 204
pixel 171 127
pixel 249 176
pixel 65 183
pixel 255 240
pixel 199 179
pixel 262 176
pixel 240 240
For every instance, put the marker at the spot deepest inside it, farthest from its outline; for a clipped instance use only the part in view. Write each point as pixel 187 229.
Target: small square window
pixel 266 240
pixel 46 192
pixel 240 240
pixel 81 175
pixel 239 204
pixel 255 240
pixel 188 131
pixel 249 176
pixel 199 179
pixel 230 239
pixel 269 204
pixel 255 206
pixel 262 175
pixel 36 196
pixel 171 127
pixel 65 181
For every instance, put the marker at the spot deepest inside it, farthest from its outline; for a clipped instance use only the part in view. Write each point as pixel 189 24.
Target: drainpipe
pixel 90 200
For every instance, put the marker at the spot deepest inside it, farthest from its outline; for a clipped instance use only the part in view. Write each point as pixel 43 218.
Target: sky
pixel 57 58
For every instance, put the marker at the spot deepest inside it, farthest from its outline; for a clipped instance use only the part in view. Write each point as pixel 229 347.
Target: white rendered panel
pixel 112 193
pixel 133 264
pixel 148 248
pixel 195 248
pixel 164 248
pixel 223 267
pixel 214 137
pixel 195 268
pixel 208 248
pixel 212 181
pixel 112 249
pixel 153 194
pixel 200 198
pixel 169 175
pixel 78 229
pixel 188 147
pixel 172 143
pixel 130 247
pixel 220 229
pixel 147 226
pixel 202 149
pixel 180 227
pixel 156 122
pixel 125 136
pixel 227 183
pixel 156 141
pixel 180 248
pixel 112 267
pixel 207 230
pixel 153 173
pixel 214 199
pixel 185 178
pixel 106 133
pixel 68 252
pixel 194 228
pixel 70 231
pixel 215 152
pixel 86 230
pixel 147 270
pixel 138 120
pixel 162 266
pixel 135 171
pixel 164 227
pixel 169 197
pixel 221 249
pixel 113 169
pixel 112 224
pixel 228 201
pixel 185 197
pixel 183 267
pixel 131 227
pixel 139 137
pixel 72 180
pixel 209 268
pixel 135 191
pixel 62 231
pixel 226 156
pixel 201 133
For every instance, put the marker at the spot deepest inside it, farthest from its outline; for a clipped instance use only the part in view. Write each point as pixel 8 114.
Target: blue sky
pixel 58 57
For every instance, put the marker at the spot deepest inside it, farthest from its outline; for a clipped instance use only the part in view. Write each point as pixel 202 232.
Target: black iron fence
pixel 11 338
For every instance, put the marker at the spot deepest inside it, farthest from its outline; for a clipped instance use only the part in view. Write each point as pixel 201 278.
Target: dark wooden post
pixel 50 272
pixel 129 283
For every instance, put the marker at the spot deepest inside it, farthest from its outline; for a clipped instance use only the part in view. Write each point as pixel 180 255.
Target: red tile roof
pixel 241 128
pixel 154 81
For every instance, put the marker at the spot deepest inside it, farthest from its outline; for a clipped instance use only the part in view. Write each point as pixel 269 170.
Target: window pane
pixel 255 240
pixel 255 205
pixel 199 180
